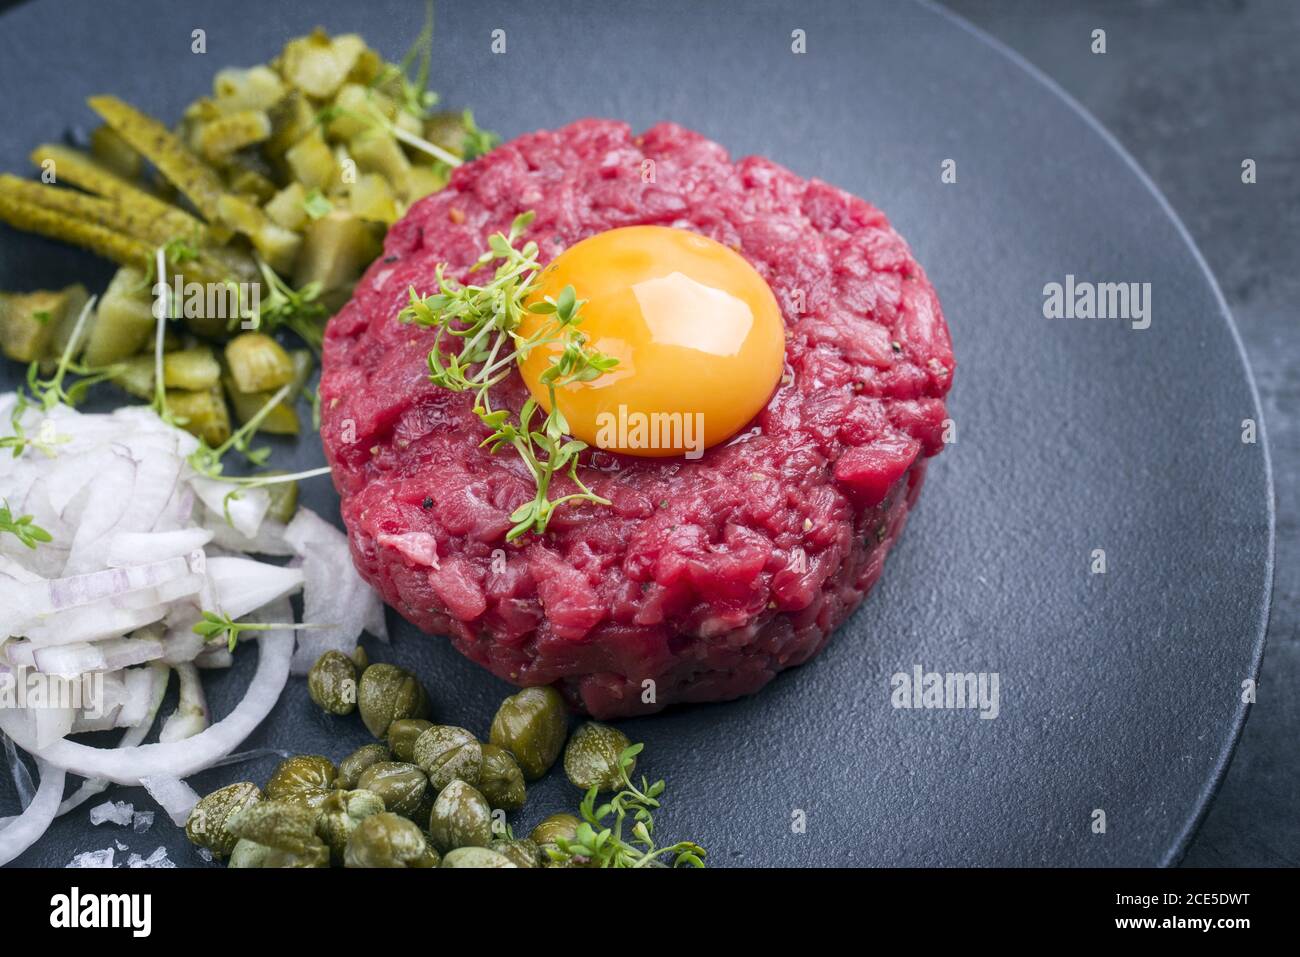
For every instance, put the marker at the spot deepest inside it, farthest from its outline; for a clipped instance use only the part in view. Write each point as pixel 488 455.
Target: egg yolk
pixel 695 329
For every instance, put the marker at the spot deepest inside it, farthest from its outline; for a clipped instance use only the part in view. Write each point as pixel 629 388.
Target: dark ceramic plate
pixel 1119 692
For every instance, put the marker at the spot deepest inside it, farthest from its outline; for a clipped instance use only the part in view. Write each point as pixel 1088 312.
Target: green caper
pixel 387 693
pixel 460 818
pixel 501 781
pixel 360 659
pixel 300 774
pixel 276 834
pixel 520 851
pixel 402 786
pixel 532 726
pixel 555 826
pixel 387 840
pixel 592 756
pixel 475 857
pixel 447 754
pixel 251 854
pixel 402 734
pixel 332 683
pixel 341 812
pixel 206 825
pixel 350 768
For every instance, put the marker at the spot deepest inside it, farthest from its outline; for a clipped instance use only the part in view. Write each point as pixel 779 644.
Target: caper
pixel 350 768
pixel 341 812
pixel 460 818
pixel 553 827
pixel 387 693
pixel 475 857
pixel 300 774
pixel 447 754
pixel 360 659
pixel 501 781
pixel 400 785
pixel 206 825
pixel 251 854
pixel 402 734
pixel 277 834
pixel 388 840
pixel 332 683
pixel 520 851
pixel 531 725
pixel 592 757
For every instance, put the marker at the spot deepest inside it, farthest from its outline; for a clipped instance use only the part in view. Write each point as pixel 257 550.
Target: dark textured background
pixel 1168 85
pixel 1191 87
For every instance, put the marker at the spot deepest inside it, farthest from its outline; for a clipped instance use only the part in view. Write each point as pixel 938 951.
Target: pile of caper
pixel 425 795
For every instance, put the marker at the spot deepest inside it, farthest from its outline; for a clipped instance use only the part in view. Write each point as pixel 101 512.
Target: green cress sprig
pixel 486 319
pixel 600 840
pixel 23 528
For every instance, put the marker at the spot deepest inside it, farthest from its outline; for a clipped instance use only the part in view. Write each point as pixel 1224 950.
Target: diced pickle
pixel 312 162
pixel 281 419
pixel 258 363
pixel 135 375
pixel 28 321
pixel 423 180
pixel 377 152
pixel 124 319
pixel 291 119
pixel 285 208
pixel 203 413
pixel 219 138
pixel 66 323
pixel 354 111
pixel 194 369
pixel 371 198
pixel 336 249
pixel 284 499
pixel 257 88
pixel 277 245
pixel 318 65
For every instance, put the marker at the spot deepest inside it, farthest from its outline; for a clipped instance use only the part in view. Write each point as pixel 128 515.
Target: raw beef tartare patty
pixel 704 578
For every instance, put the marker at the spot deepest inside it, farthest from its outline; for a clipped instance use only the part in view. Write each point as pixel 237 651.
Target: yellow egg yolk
pixel 695 329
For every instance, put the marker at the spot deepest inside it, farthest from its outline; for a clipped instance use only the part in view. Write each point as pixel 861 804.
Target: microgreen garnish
pixel 599 839
pixel 295 309
pixel 206 460
pixel 22 528
pixel 486 319
pixel 477 141
pixel 212 627
pixel 261 481
pixel 416 97
pixel 47 393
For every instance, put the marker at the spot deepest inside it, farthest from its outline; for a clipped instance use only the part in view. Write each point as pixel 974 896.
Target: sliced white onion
pixel 142 548
pixel 243 585
pixel 246 506
pixel 181 758
pixel 269 539
pixel 191 714
pixel 334 594
pixel 22 777
pixel 26 829
pixel 173 795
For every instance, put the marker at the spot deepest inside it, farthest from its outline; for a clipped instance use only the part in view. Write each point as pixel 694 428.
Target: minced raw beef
pixel 704 577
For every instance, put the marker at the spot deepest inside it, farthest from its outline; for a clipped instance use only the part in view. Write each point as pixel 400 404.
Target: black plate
pixel 1119 692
